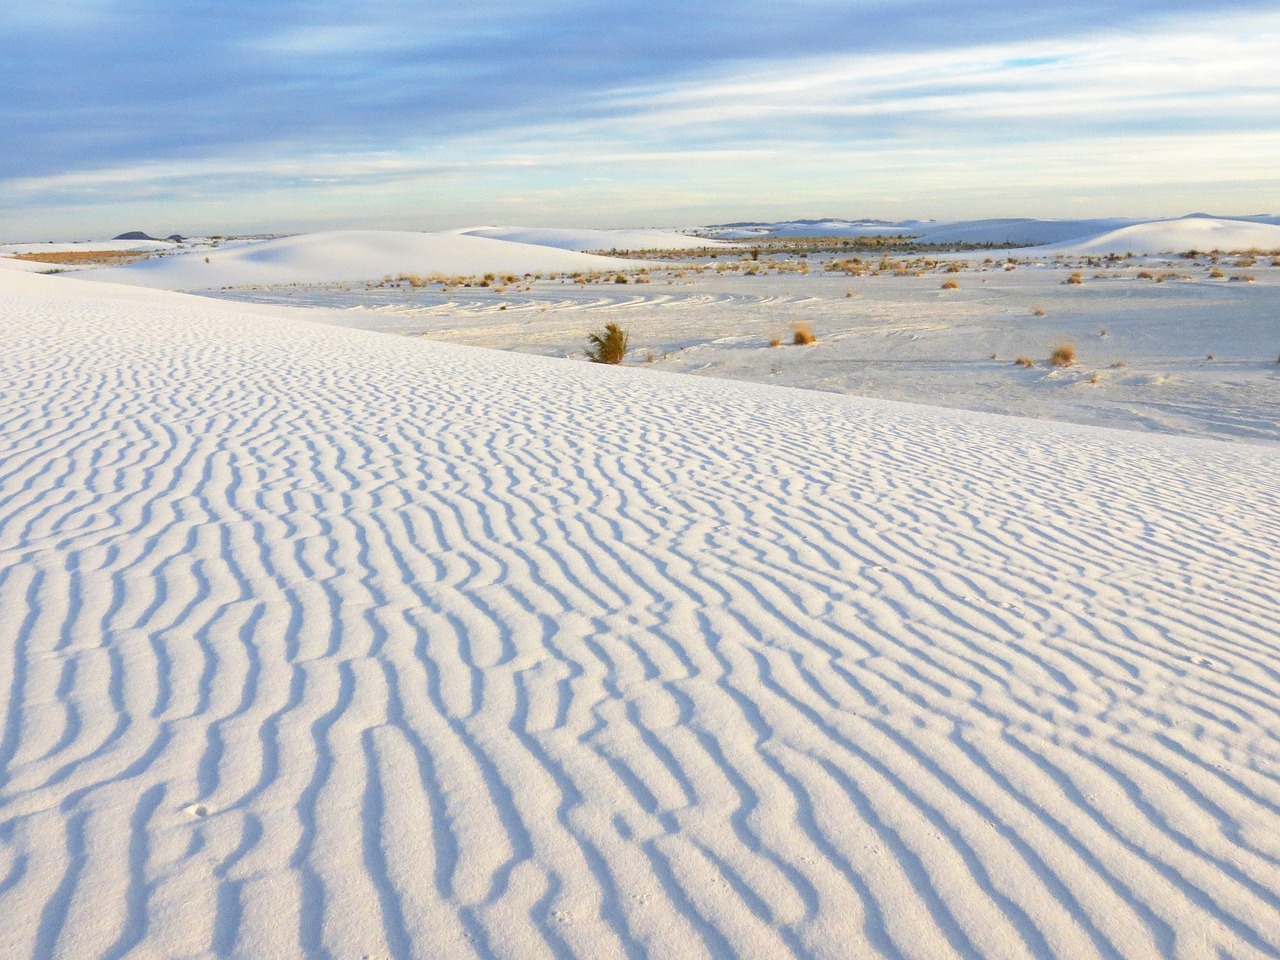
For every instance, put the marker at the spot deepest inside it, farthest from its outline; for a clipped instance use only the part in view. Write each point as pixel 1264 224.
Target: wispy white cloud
pixel 468 115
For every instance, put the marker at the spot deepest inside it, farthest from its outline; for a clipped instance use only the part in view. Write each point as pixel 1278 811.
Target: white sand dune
pixel 323 643
pixel 815 228
pixel 1008 231
pixel 1099 235
pixel 8 249
pixel 583 239
pixel 349 256
pixel 1187 233
pixel 1017 232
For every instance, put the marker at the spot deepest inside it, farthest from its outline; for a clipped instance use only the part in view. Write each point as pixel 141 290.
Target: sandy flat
pixel 325 643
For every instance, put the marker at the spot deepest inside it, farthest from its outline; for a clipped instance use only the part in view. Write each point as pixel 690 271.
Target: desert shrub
pixel 802 333
pixel 1216 273
pixel 1146 275
pixel 1241 278
pixel 1208 356
pixel 1076 278
pixel 1119 365
pixel 1064 355
pixel 1024 362
pixel 775 341
pixel 1038 311
pixel 950 285
pixel 607 346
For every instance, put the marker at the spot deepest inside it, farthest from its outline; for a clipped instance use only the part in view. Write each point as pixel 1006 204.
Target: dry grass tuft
pixel 1024 362
pixel 1119 365
pixel 1038 311
pixel 775 341
pixel 802 333
pixel 607 346
pixel 1064 355
pixel 1076 279
pixel 950 284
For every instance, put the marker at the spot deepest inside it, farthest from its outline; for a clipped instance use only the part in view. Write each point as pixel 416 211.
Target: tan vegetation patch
pixel 86 258
pixel 802 333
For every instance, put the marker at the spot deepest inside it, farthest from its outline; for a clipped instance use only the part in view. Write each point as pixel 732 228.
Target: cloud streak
pixel 135 104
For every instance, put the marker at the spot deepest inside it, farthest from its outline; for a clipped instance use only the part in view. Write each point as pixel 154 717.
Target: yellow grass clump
pixel 1064 355
pixel 802 333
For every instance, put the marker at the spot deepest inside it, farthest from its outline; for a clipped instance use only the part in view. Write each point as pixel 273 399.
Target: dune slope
pixel 584 239
pixel 350 256
pixel 332 644
pixel 1175 236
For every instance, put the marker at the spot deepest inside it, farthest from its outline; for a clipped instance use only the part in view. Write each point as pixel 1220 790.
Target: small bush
pixel 1076 278
pixel 1146 275
pixel 1038 311
pixel 775 342
pixel 1208 356
pixel 1064 355
pixel 607 346
pixel 802 334
pixel 1024 362
pixel 950 285
pixel 1119 365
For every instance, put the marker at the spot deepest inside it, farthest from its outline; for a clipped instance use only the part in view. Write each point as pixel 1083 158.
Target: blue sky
pixel 245 115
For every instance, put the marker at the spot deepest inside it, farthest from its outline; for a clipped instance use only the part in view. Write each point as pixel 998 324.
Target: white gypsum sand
pixel 351 256
pixel 1163 342
pixel 324 643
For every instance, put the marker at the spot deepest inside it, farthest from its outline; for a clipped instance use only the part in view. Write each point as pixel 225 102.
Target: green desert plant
pixel 607 346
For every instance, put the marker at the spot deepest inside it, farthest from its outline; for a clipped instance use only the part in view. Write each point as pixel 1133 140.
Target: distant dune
pixel 1099 235
pixel 593 239
pixel 1187 233
pixel 350 255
